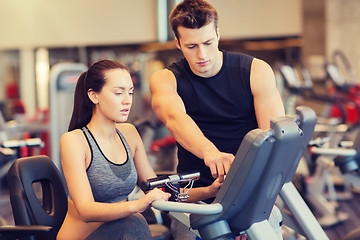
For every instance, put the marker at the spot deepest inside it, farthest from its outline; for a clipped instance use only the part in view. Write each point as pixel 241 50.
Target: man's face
pixel 200 49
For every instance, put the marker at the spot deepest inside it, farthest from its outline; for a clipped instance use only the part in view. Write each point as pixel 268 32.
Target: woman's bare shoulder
pixel 74 134
pixel 73 138
pixel 130 133
pixel 126 128
pixel 73 145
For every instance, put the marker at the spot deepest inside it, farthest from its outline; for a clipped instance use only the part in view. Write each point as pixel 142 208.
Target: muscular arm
pixel 267 100
pixel 170 109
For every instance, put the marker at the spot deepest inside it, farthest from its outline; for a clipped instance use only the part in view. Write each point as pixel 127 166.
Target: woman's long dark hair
pixel 94 78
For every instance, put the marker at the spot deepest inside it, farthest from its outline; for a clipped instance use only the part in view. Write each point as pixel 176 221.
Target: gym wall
pixel 42 23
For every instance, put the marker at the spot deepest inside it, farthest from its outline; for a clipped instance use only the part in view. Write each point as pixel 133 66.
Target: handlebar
pixel 161 181
pixel 193 208
pixel 31 142
pixel 334 152
pixel 319 141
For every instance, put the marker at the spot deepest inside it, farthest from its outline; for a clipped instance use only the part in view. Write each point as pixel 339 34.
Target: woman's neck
pixel 103 128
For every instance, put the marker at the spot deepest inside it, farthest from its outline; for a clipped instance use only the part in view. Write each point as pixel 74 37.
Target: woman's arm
pixel 202 193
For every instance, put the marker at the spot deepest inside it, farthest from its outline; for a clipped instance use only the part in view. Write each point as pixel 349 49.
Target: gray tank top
pixel 110 182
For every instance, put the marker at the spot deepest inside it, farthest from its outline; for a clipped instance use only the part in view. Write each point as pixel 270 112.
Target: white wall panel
pixel 44 23
pixel 258 18
pixel 36 23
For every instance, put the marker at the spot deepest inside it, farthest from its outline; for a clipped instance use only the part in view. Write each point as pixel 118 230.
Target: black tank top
pixel 222 106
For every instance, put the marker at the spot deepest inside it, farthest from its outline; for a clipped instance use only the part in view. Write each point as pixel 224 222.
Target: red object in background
pixel 12 90
pixel 352 115
pixel 45 137
pixel 351 108
pixel 163 142
pixel 17 107
pixel 24 149
pixel 351 111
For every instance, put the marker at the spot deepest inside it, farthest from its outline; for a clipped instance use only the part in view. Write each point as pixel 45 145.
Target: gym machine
pixel 63 79
pixel 263 167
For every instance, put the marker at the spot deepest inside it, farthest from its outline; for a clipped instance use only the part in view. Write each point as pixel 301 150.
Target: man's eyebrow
pixel 195 44
pixel 191 44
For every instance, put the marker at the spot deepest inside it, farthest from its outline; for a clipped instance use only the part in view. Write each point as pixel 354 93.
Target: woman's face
pixel 115 99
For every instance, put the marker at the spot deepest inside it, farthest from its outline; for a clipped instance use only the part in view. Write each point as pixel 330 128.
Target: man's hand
pixel 219 163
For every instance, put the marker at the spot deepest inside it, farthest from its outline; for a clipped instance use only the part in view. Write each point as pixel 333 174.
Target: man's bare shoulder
pixel 260 65
pixel 163 73
pixel 261 77
pixel 163 80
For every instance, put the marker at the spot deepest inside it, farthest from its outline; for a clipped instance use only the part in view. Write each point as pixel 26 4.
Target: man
pixel 209 106
pixel 210 99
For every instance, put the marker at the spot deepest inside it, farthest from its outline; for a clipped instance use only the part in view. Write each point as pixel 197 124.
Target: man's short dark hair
pixel 192 14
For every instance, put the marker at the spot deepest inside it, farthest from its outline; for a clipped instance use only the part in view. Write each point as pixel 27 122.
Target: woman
pixel 103 158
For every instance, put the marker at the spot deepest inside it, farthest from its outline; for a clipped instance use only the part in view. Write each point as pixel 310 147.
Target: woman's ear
pixel 93 96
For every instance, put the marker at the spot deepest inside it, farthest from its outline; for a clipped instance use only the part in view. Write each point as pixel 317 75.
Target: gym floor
pixel 351 207
pixel 6 217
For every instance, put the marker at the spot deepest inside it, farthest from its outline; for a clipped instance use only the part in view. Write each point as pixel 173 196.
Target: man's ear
pixel 177 43
pixel 218 33
pixel 92 96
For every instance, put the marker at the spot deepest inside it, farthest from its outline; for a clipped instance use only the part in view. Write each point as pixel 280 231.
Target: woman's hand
pixel 215 187
pixel 151 196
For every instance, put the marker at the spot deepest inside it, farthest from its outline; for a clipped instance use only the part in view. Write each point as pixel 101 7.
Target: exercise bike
pixel 343 84
pixel 347 162
pixel 264 166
